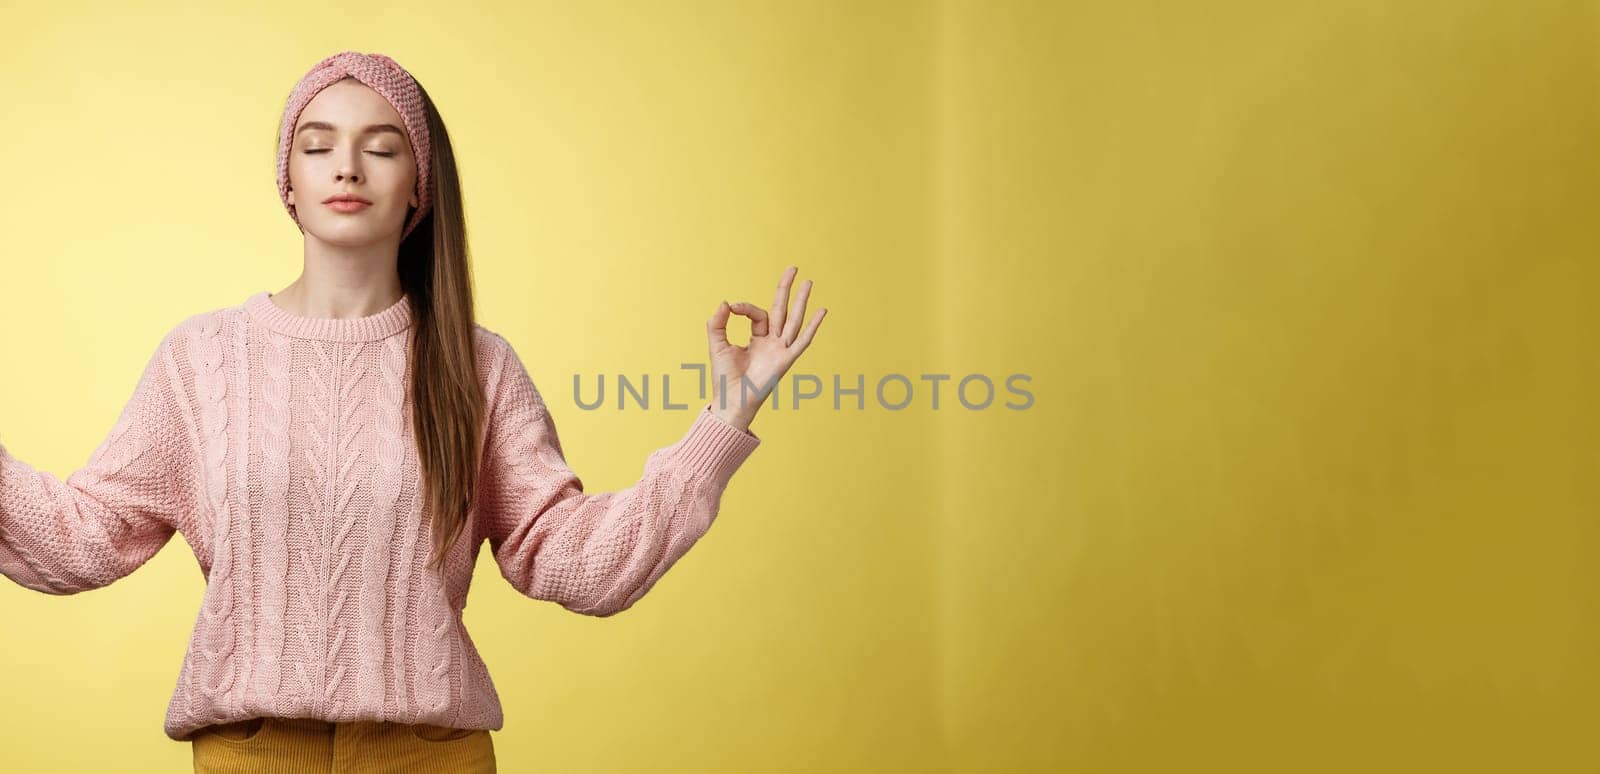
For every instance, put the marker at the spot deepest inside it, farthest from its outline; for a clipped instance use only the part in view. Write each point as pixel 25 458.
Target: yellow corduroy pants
pixel 304 746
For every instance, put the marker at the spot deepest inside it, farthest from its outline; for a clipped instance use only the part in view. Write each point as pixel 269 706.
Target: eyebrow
pixel 330 127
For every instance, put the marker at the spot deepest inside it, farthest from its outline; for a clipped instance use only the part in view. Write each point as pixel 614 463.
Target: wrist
pixel 729 415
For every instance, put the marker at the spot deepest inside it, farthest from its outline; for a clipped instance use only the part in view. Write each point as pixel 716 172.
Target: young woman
pixel 336 454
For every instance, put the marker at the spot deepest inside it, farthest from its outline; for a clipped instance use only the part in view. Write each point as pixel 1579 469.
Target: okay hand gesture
pixel 776 341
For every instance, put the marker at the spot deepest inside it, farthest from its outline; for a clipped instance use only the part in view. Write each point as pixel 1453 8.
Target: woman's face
pixel 350 140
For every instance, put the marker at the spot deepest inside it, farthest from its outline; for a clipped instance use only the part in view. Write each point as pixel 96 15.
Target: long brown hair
pixel 447 401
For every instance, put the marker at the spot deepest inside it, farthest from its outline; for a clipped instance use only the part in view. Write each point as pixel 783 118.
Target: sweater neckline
pixel 379 325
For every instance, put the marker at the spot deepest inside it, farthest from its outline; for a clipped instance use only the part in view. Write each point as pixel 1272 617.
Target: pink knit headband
pixel 383 75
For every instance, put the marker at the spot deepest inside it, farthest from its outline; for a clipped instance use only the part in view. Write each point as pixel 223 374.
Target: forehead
pixel 349 104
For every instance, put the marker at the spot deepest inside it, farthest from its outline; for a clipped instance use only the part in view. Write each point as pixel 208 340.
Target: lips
pixel 347 205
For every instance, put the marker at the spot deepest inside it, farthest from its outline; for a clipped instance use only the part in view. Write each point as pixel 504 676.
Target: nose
pixel 347 169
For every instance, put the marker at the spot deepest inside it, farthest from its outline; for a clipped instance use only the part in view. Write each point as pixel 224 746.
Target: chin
pixel 351 233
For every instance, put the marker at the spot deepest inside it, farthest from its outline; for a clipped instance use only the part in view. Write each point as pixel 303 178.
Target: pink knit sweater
pixel 281 447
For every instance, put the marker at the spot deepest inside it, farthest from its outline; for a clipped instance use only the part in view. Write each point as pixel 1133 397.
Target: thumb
pixel 717 326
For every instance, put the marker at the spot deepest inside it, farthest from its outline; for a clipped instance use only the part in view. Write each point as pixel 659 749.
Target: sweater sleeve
pixel 108 517
pixel 595 554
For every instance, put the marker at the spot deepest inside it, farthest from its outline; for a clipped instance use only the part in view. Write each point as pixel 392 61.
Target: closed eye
pixel 325 150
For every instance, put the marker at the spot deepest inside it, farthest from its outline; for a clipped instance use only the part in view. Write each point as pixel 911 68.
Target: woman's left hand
pixel 776 341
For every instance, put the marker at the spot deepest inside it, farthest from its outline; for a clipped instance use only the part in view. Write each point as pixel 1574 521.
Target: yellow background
pixel 1306 291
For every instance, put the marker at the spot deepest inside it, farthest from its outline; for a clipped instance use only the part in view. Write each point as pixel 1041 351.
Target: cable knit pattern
pixel 211 652
pixel 342 487
pixel 386 403
pixel 281 448
pixel 273 451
